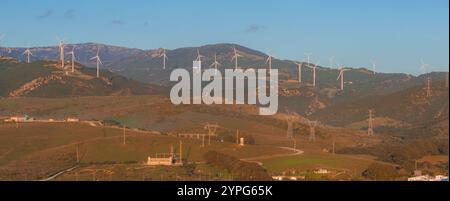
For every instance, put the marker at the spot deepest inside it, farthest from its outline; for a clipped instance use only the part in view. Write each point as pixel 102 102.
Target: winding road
pixel 258 159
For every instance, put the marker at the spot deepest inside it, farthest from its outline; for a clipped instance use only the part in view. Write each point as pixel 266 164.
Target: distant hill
pixel 83 52
pixel 146 66
pixel 410 107
pixel 47 79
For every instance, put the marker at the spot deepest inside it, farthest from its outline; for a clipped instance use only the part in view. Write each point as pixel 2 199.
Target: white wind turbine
pixel 269 60
pixel 199 56
pixel 215 63
pixel 72 53
pixel 61 51
pixel 341 76
pixel 235 58
pixel 28 53
pixel 314 72
pixel 164 56
pixel 307 58
pixel 374 65
pixel 299 65
pixel 424 68
pixel 97 58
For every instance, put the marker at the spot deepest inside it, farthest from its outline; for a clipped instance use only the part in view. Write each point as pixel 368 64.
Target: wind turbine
pixel 424 67
pixel 269 60
pixel 199 56
pixel 341 76
pixel 235 58
pixel 314 73
pixel 28 52
pixel 72 53
pixel 164 56
pixel 374 65
pixel 61 52
pixel 299 65
pixel 97 58
pixel 215 63
pixel 307 58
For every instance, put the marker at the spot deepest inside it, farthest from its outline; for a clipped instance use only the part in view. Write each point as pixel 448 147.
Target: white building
pixel 322 171
pixel 72 119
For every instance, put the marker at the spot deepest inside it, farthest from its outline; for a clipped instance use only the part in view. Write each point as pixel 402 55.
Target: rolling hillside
pixel 47 79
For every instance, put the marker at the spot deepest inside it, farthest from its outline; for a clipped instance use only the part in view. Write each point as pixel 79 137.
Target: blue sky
pixel 395 33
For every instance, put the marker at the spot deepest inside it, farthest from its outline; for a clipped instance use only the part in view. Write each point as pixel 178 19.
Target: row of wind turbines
pixel 61 47
pixel 269 59
pixel 216 63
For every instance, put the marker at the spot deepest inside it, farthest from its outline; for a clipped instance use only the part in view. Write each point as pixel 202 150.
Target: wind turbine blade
pixel 340 75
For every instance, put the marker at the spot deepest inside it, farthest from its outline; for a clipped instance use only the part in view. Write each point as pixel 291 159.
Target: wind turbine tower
pixel 164 56
pixel 28 53
pixel 374 65
pixel 370 127
pixel 299 65
pixel 424 68
pixel 61 52
pixel 269 60
pixel 97 58
pixel 235 58
pixel 215 63
pixel 314 73
pixel 72 53
pixel 341 76
pixel 307 59
pixel 312 130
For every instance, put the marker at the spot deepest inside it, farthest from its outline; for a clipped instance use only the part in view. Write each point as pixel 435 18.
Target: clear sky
pixel 394 33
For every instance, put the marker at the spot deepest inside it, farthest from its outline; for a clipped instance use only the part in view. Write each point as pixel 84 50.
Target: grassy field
pixel 309 161
pixel 37 150
pixel 35 145
pixel 137 172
